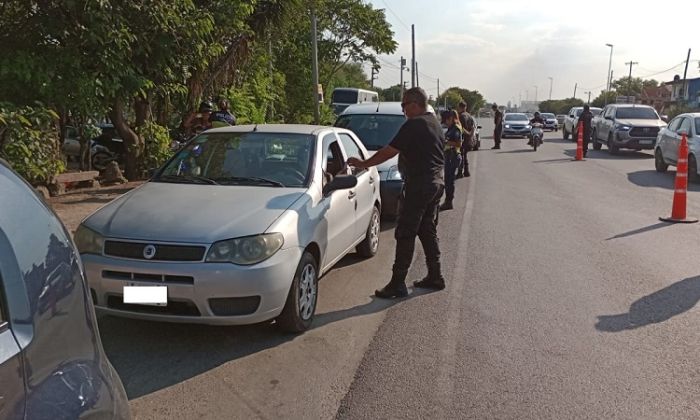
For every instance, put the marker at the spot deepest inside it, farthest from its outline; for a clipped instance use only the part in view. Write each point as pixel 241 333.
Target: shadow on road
pixel 517 151
pixel 150 356
pixel 560 160
pixel 638 231
pixel 655 308
pixel 651 178
pixel 605 155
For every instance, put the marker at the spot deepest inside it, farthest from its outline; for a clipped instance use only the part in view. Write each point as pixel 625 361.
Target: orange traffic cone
pixel 678 213
pixel 579 142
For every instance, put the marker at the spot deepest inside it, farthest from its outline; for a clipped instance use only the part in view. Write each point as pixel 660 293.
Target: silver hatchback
pixel 235 229
pixel 669 139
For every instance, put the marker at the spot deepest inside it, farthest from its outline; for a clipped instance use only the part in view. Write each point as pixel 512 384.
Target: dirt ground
pixel 73 207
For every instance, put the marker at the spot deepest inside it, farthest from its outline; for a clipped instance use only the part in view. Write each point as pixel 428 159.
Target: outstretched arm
pixel 384 154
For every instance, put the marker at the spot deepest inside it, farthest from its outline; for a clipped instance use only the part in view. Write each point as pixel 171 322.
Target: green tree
pixel 625 86
pixel 390 94
pixel 560 106
pixel 455 95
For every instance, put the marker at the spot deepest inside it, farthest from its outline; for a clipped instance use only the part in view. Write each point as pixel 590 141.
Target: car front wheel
pixel 299 310
pixel 659 162
pixel 564 133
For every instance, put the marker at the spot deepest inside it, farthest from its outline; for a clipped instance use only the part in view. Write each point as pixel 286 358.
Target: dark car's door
pixel 12 384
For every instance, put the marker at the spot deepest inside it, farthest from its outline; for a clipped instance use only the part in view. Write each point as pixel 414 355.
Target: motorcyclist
pixel 223 117
pixel 536 119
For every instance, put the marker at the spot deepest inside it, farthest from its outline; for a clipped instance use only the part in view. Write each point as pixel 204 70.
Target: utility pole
pixel 375 72
pixel 629 83
pixel 314 64
pixel 438 96
pixel 403 67
pixel 413 56
pixel 575 87
pixel 609 82
pixel 551 82
pixel 589 96
pixel 685 73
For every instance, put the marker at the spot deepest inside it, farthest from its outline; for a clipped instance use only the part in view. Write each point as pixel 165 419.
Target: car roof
pixel 274 128
pixel 388 108
pixel 632 106
pixel 516 113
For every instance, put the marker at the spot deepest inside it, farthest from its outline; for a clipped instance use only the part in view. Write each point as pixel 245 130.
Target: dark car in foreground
pixel 52 364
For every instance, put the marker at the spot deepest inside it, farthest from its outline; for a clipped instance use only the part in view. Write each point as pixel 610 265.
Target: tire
pixel 369 246
pixel 100 160
pixel 692 169
pixel 535 143
pixel 297 316
pixel 611 147
pixel 659 162
pixel 564 133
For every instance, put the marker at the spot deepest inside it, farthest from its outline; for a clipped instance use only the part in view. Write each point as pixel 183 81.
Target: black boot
pixel 447 205
pixel 395 289
pixel 434 280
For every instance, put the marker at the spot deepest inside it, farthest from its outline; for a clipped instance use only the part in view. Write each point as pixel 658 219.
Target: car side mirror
pixel 664 118
pixel 341 182
pixel 479 127
pixel 571 116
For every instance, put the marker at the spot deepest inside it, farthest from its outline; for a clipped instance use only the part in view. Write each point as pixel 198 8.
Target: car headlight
pixel 88 241
pixel 394 174
pixel 507 125
pixel 622 127
pixel 248 250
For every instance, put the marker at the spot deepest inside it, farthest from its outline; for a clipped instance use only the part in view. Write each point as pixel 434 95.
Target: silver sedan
pixel 669 139
pixel 235 229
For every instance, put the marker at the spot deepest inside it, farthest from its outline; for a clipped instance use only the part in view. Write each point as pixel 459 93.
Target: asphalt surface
pixel 566 298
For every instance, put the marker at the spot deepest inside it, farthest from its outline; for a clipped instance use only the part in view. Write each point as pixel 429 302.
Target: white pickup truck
pixel 570 126
pixel 626 126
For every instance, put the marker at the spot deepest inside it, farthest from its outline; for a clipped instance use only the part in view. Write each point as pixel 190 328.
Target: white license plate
pixel 146 295
pixel 645 141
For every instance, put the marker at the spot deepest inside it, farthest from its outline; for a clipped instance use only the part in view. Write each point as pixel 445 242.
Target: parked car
pixel 376 125
pixel 627 126
pixel 570 127
pixel 550 121
pixel 52 364
pixel 236 228
pixel 669 140
pixel 516 124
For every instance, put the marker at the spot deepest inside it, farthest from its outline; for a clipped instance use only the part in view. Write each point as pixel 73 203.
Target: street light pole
pixel 551 81
pixel 314 65
pixel 609 78
pixel 629 83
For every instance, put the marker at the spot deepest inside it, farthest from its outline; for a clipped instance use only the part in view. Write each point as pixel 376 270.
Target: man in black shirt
pixel 419 144
pixel 586 117
pixel 498 126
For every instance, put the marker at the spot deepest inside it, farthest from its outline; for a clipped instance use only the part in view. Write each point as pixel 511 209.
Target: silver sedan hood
pixel 192 213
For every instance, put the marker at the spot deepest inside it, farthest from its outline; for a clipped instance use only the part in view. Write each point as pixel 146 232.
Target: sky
pixel 504 48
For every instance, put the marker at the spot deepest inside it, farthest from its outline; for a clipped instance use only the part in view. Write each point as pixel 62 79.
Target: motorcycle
pixel 536 135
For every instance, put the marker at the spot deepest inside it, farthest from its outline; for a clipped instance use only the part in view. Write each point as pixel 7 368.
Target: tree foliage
pixel 560 106
pixel 454 95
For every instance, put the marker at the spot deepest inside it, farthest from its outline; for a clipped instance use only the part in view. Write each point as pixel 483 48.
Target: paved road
pixel 566 299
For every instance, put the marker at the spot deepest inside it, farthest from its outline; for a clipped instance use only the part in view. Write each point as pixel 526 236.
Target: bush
pixel 156 140
pixel 29 141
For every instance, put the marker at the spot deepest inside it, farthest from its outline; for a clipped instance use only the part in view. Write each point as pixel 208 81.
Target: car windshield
pixel 697 126
pixel 547 115
pixel 578 112
pixel 636 114
pixel 516 117
pixel 596 111
pixel 261 159
pixel 374 130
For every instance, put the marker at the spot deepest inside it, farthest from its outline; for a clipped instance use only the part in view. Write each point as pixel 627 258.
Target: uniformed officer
pixel 453 157
pixel 498 126
pixel 586 117
pixel 420 144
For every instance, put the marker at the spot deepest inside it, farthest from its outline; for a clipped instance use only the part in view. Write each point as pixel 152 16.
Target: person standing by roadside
pixel 223 117
pixel 468 128
pixel 453 157
pixel 498 126
pixel 420 146
pixel 586 117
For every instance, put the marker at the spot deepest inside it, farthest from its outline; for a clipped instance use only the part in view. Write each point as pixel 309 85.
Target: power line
pixel 396 16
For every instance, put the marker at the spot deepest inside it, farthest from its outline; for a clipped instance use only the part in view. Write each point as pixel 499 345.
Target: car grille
pixel 174 307
pixel 517 127
pixel 135 250
pixel 234 306
pixel 153 278
pixel 644 131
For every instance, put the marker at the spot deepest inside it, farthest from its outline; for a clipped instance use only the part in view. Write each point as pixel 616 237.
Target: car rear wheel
pixel 659 162
pixel 692 169
pixel 596 144
pixel 368 248
pixel 299 310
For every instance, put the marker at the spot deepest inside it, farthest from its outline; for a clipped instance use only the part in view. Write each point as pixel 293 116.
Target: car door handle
pixel 351 194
